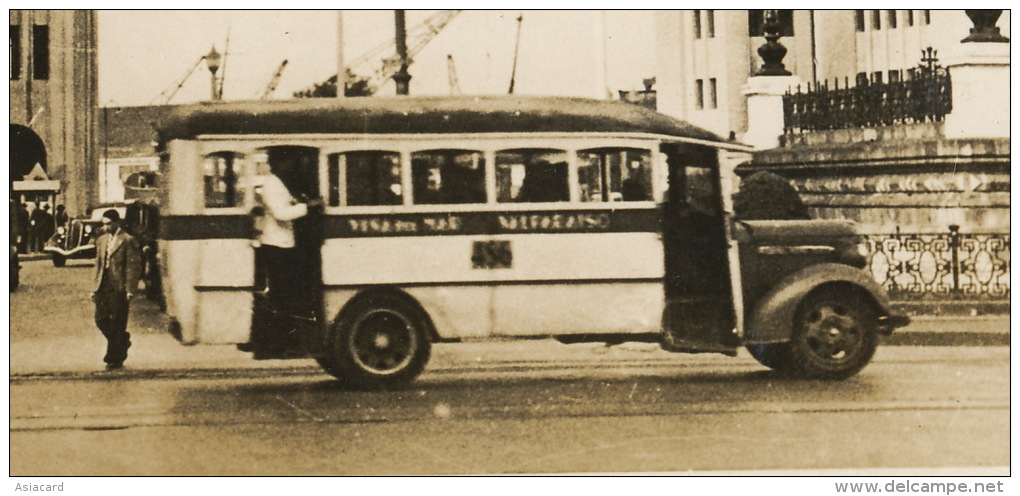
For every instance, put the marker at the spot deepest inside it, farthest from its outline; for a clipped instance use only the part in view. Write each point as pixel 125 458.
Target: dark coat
pixel 125 261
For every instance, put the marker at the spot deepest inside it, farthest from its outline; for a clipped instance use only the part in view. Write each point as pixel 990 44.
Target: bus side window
pixel 532 175
pixel 448 177
pixel 368 178
pixel 615 174
pixel 222 178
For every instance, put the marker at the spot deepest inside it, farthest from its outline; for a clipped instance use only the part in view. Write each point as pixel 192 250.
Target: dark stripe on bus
pixel 430 284
pixel 185 227
pixel 182 227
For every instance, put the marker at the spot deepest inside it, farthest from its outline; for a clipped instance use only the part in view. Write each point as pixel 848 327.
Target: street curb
pixel 947 338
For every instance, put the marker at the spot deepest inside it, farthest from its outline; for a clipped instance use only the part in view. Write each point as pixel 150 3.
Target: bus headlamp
pixel 863 249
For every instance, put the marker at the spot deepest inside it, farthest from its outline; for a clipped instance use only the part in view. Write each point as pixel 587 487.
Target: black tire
pixel 59 260
pixel 379 342
pixel 834 334
pixel 15 277
pixel 775 356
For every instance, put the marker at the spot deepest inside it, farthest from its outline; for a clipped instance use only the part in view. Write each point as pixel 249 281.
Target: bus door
pixel 287 319
pixel 700 311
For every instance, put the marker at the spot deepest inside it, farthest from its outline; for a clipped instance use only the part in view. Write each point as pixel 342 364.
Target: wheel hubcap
pixel 832 332
pixel 383 342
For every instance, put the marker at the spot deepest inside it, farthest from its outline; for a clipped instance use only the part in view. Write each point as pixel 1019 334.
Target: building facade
pixel 705 57
pixel 898 120
pixel 53 108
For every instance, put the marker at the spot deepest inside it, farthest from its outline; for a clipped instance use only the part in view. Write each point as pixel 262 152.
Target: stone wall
pixel 899 178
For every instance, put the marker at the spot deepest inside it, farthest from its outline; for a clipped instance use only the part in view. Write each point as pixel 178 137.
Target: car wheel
pixel 59 260
pixel 834 334
pixel 15 277
pixel 775 356
pixel 379 342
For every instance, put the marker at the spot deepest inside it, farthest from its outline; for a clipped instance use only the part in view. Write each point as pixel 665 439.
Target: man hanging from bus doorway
pixel 118 270
pixel 273 333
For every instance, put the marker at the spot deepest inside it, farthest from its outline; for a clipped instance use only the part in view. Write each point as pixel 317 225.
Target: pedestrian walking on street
pixel 118 270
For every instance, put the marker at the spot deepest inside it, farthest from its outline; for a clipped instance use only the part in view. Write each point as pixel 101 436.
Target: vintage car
pixel 77 239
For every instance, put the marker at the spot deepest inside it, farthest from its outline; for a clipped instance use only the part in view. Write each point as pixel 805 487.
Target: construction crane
pixel 451 73
pixel 267 92
pixel 517 49
pixel 168 94
pixel 417 37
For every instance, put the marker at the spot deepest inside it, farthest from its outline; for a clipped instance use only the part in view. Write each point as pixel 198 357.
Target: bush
pixel 768 196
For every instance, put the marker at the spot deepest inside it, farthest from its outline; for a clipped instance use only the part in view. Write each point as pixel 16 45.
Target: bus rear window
pixel 532 175
pixel 615 174
pixel 369 178
pixel 448 177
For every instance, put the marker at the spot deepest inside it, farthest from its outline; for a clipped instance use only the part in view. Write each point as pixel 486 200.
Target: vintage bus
pixel 446 219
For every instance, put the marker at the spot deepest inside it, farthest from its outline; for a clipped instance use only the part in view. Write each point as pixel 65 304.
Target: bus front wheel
pixel 379 342
pixel 833 337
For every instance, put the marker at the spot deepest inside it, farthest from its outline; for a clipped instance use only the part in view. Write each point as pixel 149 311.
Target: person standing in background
pixel 60 218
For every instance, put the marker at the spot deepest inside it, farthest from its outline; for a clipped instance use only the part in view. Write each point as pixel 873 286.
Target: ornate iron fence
pixel 922 94
pixel 954 265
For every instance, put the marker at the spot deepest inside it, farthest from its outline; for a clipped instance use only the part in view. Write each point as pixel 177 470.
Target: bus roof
pixel 422 115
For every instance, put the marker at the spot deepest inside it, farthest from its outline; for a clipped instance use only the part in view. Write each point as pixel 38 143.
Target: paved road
pixel 913 408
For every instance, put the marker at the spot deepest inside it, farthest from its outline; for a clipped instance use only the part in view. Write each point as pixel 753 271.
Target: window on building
pixel 41 52
pixel 699 93
pixel 614 174
pixel 532 176
pixel 368 177
pixel 713 99
pixel 697 24
pixel 894 76
pixel 891 19
pixel 876 77
pixel 876 20
pixel 756 22
pixel 14 52
pixel 910 17
pixel 859 20
pixel 443 177
pixel 710 22
pixel 926 16
pixel 222 171
pixel 861 79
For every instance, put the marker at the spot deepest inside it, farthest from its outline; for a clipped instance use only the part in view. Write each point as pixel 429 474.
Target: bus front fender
pixel 773 315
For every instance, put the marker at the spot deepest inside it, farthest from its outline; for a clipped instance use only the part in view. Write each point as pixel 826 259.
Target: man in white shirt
pixel 287 298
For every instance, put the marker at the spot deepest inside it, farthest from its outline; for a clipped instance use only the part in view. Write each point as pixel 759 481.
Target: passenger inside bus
pixel 544 182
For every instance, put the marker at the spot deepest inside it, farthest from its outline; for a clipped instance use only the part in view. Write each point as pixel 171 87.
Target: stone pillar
pixel 765 119
pixel 979 73
pixel 765 90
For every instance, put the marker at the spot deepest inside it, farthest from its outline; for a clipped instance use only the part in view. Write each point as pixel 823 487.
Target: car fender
pixel 772 318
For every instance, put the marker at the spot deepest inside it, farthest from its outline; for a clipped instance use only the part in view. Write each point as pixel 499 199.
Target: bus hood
pixel 797 232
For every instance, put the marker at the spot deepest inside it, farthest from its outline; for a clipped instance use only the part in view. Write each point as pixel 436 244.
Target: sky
pixel 144 55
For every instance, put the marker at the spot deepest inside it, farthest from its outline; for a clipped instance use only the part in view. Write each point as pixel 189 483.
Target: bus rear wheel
pixel 379 342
